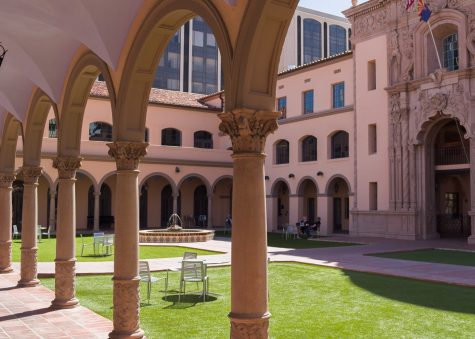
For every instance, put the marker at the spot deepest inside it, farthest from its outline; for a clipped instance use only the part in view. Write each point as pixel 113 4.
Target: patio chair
pixel 146 277
pixel 15 232
pixel 291 231
pixel 85 244
pixel 39 232
pixel 193 270
pixel 108 244
pixel 47 233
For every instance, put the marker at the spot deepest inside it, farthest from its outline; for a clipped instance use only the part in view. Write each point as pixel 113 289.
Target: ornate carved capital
pixel 127 154
pixel 31 174
pixel 248 129
pixel 67 166
pixel 7 179
pixel 250 328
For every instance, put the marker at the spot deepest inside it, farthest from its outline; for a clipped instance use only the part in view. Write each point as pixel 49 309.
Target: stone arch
pixel 302 181
pixel 195 175
pixel 275 184
pixel 104 178
pixel 218 180
pixel 50 181
pixel 332 179
pixel 11 129
pixel 149 44
pixel 159 174
pixel 40 105
pixel 76 93
pixel 91 177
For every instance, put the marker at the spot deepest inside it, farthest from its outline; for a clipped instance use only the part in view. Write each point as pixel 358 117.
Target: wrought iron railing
pixel 451 155
pixel 449 225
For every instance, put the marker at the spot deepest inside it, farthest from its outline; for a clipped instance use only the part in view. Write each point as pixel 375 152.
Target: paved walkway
pixel 25 313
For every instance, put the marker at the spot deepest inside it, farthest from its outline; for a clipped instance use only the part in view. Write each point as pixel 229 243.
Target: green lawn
pixel 434 256
pixel 306 302
pixel 47 251
pixel 277 240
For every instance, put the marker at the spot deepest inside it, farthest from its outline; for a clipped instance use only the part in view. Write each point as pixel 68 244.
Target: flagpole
pixel 435 45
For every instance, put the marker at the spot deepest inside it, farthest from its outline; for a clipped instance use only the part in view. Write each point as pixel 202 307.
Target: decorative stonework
pixel 371 22
pixel 6 256
pixel 29 274
pixel 250 328
pixel 248 129
pixel 67 166
pixel 126 306
pixel 65 284
pixel 127 154
pixel 31 174
pixel 407 61
pixel 6 180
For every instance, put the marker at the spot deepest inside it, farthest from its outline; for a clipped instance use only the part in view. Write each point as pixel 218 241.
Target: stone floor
pixel 25 313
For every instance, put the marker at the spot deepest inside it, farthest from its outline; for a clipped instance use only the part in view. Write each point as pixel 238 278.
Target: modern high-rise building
pixel 192 62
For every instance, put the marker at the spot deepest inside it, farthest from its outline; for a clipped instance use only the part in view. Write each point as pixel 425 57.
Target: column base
pixel 58 304
pixel 249 328
pixel 121 335
pixel 126 317
pixel 28 283
pixel 4 270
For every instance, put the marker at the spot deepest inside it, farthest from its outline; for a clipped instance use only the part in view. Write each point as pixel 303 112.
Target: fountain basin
pixel 170 236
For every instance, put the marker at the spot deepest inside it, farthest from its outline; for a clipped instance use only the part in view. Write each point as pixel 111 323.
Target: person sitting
pixel 304 228
pixel 228 222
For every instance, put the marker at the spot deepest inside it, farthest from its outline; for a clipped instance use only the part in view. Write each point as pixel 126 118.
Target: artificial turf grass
pixel 47 251
pixel 277 240
pixel 306 301
pixel 439 256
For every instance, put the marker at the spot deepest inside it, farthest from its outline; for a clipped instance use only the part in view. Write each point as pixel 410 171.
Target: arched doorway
pixel 143 206
pixel 281 192
pixel 452 180
pixel 200 206
pixel 167 205
pixel 308 200
pixel 339 205
pixel 17 203
pixel 106 219
pixel 222 201
pixel 156 201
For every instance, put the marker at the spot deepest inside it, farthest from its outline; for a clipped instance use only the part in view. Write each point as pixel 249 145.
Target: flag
pixel 420 6
pixel 409 4
pixel 425 13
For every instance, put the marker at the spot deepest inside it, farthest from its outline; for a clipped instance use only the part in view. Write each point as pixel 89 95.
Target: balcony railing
pixel 451 156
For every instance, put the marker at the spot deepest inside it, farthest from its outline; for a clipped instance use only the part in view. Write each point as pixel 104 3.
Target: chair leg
pixel 149 288
pixel 82 250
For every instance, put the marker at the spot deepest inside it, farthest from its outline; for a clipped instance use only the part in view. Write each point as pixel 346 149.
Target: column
pixel 210 211
pixel 52 210
pixel 126 280
pixel 248 130
pixel 29 249
pixel 97 196
pixel 295 208
pixel 6 181
pixel 65 263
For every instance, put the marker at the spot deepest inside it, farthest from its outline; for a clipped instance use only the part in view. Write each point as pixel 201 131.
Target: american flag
pixel 409 4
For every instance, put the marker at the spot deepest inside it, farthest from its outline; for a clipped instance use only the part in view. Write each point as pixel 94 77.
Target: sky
pixel 328 6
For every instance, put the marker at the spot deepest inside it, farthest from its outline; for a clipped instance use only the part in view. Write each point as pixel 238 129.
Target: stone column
pixel 295 208
pixel 209 223
pixel 52 210
pixel 29 249
pixel 65 263
pixel 248 130
pixel 97 196
pixel 6 181
pixel 126 278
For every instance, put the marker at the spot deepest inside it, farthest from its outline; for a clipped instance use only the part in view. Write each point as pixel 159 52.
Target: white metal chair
pixel 39 232
pixel 193 270
pixel 146 277
pixel 16 234
pixel 291 231
pixel 85 244
pixel 108 244
pixel 47 233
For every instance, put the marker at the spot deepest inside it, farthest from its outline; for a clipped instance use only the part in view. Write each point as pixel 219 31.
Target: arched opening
pixel 282 152
pixel 222 201
pixel 156 201
pixel 171 137
pixel 452 180
pixel 17 203
pixel 339 205
pixel 167 205
pixel 340 145
pixel 200 206
pixel 100 131
pixel 337 39
pixel 309 149
pixel 143 206
pixel 308 201
pixel 281 192
pixel 312 40
pixel 203 139
pixel 106 219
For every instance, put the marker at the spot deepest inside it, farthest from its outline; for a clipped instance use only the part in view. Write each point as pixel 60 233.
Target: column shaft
pixel 97 196
pixel 210 212
pixel 52 211
pixel 6 181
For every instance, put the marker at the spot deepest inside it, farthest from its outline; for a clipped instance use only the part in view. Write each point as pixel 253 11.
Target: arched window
pixel 340 146
pixel 312 40
pixel 309 149
pixel 100 131
pixel 52 128
pixel 282 152
pixel 171 137
pixel 203 139
pixel 451 52
pixel 337 39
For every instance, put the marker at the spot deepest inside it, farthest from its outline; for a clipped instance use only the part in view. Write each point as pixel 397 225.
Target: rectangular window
pixel 308 102
pixel 282 107
pixel 198 38
pixel 339 95
pixel 371 75
pixel 372 139
pixel 373 196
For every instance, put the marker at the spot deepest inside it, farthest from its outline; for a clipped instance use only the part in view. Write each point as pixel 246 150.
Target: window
pixel 337 39
pixel 340 148
pixel 282 152
pixel 372 139
pixel 167 75
pixel 451 52
pixel 52 129
pixel 100 131
pixel 171 137
pixel 308 102
pixel 309 149
pixel 198 38
pixel 203 139
pixel 282 107
pixel 312 40
pixel 373 196
pixel 339 95
pixel 371 75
